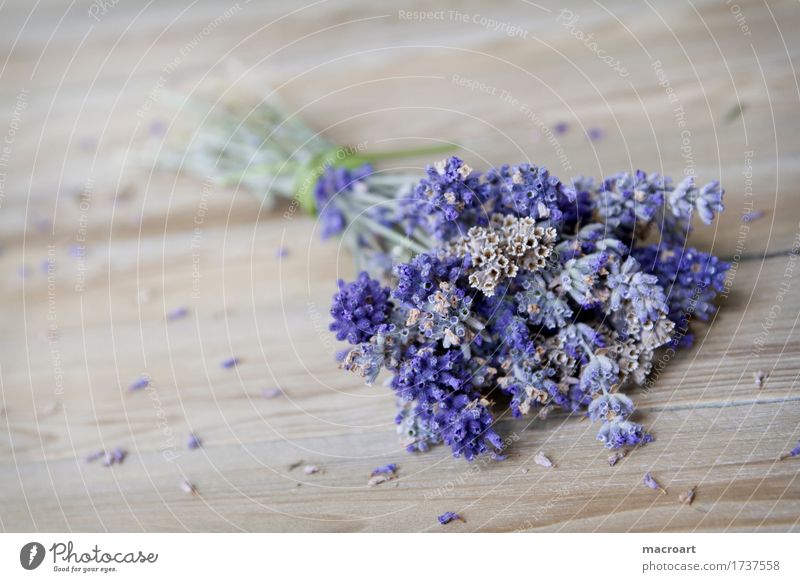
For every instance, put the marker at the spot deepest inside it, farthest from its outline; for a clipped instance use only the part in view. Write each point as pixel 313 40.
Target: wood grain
pixel 78 330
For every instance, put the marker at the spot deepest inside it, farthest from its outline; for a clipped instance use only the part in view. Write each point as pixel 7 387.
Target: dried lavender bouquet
pixel 535 295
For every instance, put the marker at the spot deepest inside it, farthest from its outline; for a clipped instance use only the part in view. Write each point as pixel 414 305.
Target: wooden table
pixel 709 87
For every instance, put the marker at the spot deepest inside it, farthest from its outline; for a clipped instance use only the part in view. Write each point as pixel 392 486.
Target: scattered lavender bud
pixel 561 128
pixel 687 496
pixel 649 481
pixel 542 460
pixel 281 252
pixel 795 452
pixel 760 379
pixel 380 478
pixel 311 469
pixel 595 133
pixel 389 469
pixel 751 216
pixel 449 516
pixel 114 457
pixel 94 455
pixel 139 384
pixel 194 442
pixel 270 393
pixel 188 487
pixel 177 313
pixel 229 363
pixel 23 271
pixel 615 458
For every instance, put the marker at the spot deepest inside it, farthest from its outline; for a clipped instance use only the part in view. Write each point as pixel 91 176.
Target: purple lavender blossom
pixel 449 200
pixel 194 442
pixel 449 516
pixel 333 186
pixel 139 384
pixel 650 482
pixel 686 198
pixel 229 363
pixel 384 469
pixel 476 323
pixel 177 313
pixel 622 433
pixel 359 308
pixel 527 190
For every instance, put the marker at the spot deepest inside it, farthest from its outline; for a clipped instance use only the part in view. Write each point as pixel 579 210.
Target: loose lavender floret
pixel 194 442
pixel 229 363
pixel 335 184
pixel 449 516
pixel 649 481
pixel 359 308
pixel 449 197
pixel 795 452
pixel 139 384
pixel 391 468
pixel 177 313
pixel 535 297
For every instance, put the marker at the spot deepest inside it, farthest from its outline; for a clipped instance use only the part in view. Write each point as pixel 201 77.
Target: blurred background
pixel 117 271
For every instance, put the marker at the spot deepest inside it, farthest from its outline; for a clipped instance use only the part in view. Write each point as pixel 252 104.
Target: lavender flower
pixel 686 198
pixel 525 304
pixel 622 433
pixel 336 182
pixel 391 468
pixel 194 442
pixel 650 482
pixel 449 200
pixel 139 384
pixel 359 308
pixel 795 452
pixel 229 363
pixel 449 516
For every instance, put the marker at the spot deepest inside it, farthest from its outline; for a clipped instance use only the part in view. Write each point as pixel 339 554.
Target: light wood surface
pixel 361 72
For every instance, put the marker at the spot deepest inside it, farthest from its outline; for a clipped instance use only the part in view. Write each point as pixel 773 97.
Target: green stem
pixel 409 153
